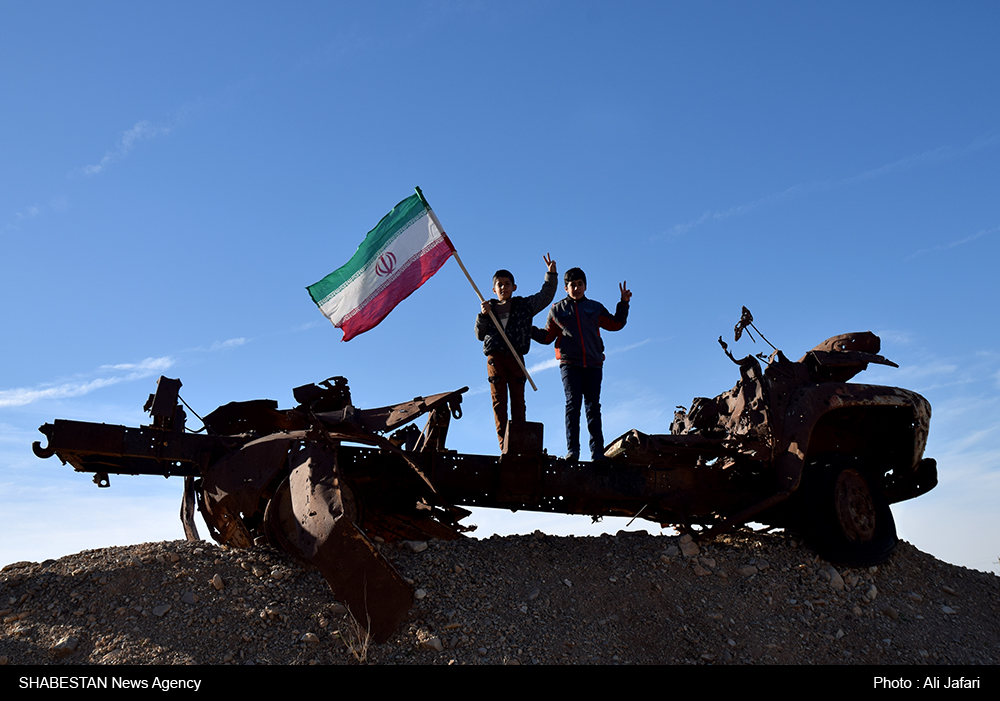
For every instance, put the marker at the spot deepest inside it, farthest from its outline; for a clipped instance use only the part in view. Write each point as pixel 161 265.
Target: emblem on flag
pixel 385 264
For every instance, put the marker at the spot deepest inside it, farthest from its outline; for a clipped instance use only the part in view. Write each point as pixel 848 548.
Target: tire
pixel 846 520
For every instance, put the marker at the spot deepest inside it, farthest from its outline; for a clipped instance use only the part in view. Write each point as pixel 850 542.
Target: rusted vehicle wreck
pixel 793 444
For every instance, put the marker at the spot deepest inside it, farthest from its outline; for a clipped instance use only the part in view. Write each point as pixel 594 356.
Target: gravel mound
pixel 634 598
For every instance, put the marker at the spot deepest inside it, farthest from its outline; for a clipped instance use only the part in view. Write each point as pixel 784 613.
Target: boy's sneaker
pixel 571 457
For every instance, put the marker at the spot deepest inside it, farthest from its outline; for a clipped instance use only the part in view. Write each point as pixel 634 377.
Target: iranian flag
pixel 397 256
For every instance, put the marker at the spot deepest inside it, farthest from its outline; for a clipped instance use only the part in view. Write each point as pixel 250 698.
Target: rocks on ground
pixel 634 598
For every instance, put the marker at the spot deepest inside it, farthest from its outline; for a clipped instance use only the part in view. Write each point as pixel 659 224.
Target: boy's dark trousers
pixel 583 385
pixel 505 376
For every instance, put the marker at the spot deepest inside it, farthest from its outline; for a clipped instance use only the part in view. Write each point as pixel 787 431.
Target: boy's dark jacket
pixel 576 329
pixel 522 309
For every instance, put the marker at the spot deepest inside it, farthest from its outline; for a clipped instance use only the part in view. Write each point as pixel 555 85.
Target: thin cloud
pixel 57 204
pixel 554 362
pixel 147 366
pixel 481 389
pixel 931 369
pixel 219 345
pixel 953 244
pixel 623 349
pixel 231 343
pixel 312 325
pixel 15 436
pixel 944 153
pixel 643 409
pixel 544 365
pixel 113 374
pixel 892 337
pixel 141 131
pixel 715 216
pixel 127 142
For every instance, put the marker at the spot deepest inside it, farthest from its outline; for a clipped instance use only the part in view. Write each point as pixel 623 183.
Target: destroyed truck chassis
pixel 793 445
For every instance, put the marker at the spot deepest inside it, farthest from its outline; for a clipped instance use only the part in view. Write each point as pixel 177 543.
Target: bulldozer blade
pixel 307 517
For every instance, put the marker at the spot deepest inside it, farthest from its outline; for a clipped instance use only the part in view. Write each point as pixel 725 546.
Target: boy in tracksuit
pixel 514 314
pixel 575 324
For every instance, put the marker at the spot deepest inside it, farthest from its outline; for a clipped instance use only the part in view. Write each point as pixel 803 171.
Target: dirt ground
pixel 744 599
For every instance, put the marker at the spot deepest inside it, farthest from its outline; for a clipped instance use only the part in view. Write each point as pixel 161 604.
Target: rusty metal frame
pixel 326 481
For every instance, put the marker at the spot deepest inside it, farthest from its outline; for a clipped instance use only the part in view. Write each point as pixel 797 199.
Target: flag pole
pixel 458 259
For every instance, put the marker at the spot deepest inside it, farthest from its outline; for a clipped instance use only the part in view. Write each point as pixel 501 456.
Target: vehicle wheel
pixel 847 521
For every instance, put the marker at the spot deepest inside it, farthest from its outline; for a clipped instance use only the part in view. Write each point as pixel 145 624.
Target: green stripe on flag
pixel 396 221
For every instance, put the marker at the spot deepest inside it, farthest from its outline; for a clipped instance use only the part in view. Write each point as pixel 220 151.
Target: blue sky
pixel 175 174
